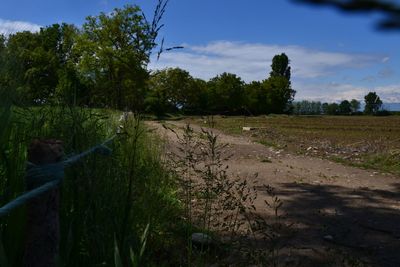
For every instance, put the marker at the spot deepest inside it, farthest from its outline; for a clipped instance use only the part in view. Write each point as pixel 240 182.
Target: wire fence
pixel 49 176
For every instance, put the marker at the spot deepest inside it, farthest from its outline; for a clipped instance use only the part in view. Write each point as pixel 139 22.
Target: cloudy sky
pixel 334 56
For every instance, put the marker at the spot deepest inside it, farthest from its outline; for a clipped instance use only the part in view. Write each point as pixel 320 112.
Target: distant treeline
pixel 372 106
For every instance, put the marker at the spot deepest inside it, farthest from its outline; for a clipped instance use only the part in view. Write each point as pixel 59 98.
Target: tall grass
pixel 104 200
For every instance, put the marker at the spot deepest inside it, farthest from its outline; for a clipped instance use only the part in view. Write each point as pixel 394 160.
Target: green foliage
pixel 280 66
pixel 355 105
pixel 372 103
pixel 257 101
pixel 175 90
pixel 115 50
pixel 332 109
pixel 275 94
pixel 36 64
pixel 307 108
pixel 280 94
pixel 102 64
pixel 226 93
pixel 345 107
pixel 101 196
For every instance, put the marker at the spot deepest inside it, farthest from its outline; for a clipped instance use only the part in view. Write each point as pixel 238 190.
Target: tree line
pixel 105 64
pixel 372 106
pixel 175 90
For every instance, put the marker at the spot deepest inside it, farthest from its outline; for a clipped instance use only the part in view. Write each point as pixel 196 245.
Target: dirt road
pixel 333 208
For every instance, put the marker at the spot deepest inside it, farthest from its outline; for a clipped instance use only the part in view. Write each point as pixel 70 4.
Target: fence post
pixel 43 226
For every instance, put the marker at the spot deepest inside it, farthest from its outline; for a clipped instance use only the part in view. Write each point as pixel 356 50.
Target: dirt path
pixel 332 207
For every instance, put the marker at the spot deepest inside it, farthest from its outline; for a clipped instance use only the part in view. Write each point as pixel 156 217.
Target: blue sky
pixel 334 56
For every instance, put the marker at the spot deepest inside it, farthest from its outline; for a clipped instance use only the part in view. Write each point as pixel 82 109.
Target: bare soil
pixel 341 215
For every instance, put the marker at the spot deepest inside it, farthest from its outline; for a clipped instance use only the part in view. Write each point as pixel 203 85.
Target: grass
pixel 367 141
pixel 105 201
pixel 132 208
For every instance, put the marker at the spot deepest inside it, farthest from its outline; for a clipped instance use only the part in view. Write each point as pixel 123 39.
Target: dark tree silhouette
pixel 280 66
pixel 372 103
pixel 389 9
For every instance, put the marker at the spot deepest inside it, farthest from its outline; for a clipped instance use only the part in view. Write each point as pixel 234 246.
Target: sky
pixel 333 56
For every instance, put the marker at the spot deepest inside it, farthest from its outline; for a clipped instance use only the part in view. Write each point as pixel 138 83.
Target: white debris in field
pixel 248 128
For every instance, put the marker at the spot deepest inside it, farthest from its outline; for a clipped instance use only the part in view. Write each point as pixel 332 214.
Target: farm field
pixel 362 141
pixel 331 214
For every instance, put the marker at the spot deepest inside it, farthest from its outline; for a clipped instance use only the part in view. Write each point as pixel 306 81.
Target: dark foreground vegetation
pixel 105 201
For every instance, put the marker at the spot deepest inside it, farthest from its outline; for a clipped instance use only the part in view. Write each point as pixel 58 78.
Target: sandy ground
pixel 332 207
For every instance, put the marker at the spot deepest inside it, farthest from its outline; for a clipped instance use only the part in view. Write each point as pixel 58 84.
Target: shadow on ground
pixel 359 226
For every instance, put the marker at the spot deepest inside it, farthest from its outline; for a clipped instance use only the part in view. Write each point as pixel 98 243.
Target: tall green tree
pixel 372 103
pixel 278 85
pixel 280 66
pixel 115 49
pixel 280 94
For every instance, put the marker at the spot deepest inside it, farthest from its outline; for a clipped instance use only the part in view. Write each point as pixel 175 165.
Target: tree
pixel 172 89
pixel 115 49
pixel 280 66
pixel 197 100
pixel 307 108
pixel 3 80
pixel 355 105
pixel 345 107
pixel 325 108
pixel 372 103
pixel 256 100
pixel 389 9
pixel 226 93
pixel 71 88
pixel 278 85
pixel 40 67
pixel 332 109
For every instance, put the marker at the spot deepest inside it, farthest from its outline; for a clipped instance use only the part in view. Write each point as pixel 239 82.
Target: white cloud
pixel 252 61
pixel 9 27
pixel 385 59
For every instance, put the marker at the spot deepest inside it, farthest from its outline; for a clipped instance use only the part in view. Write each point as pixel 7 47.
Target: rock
pixel 201 239
pixel 248 128
pixel 309 148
